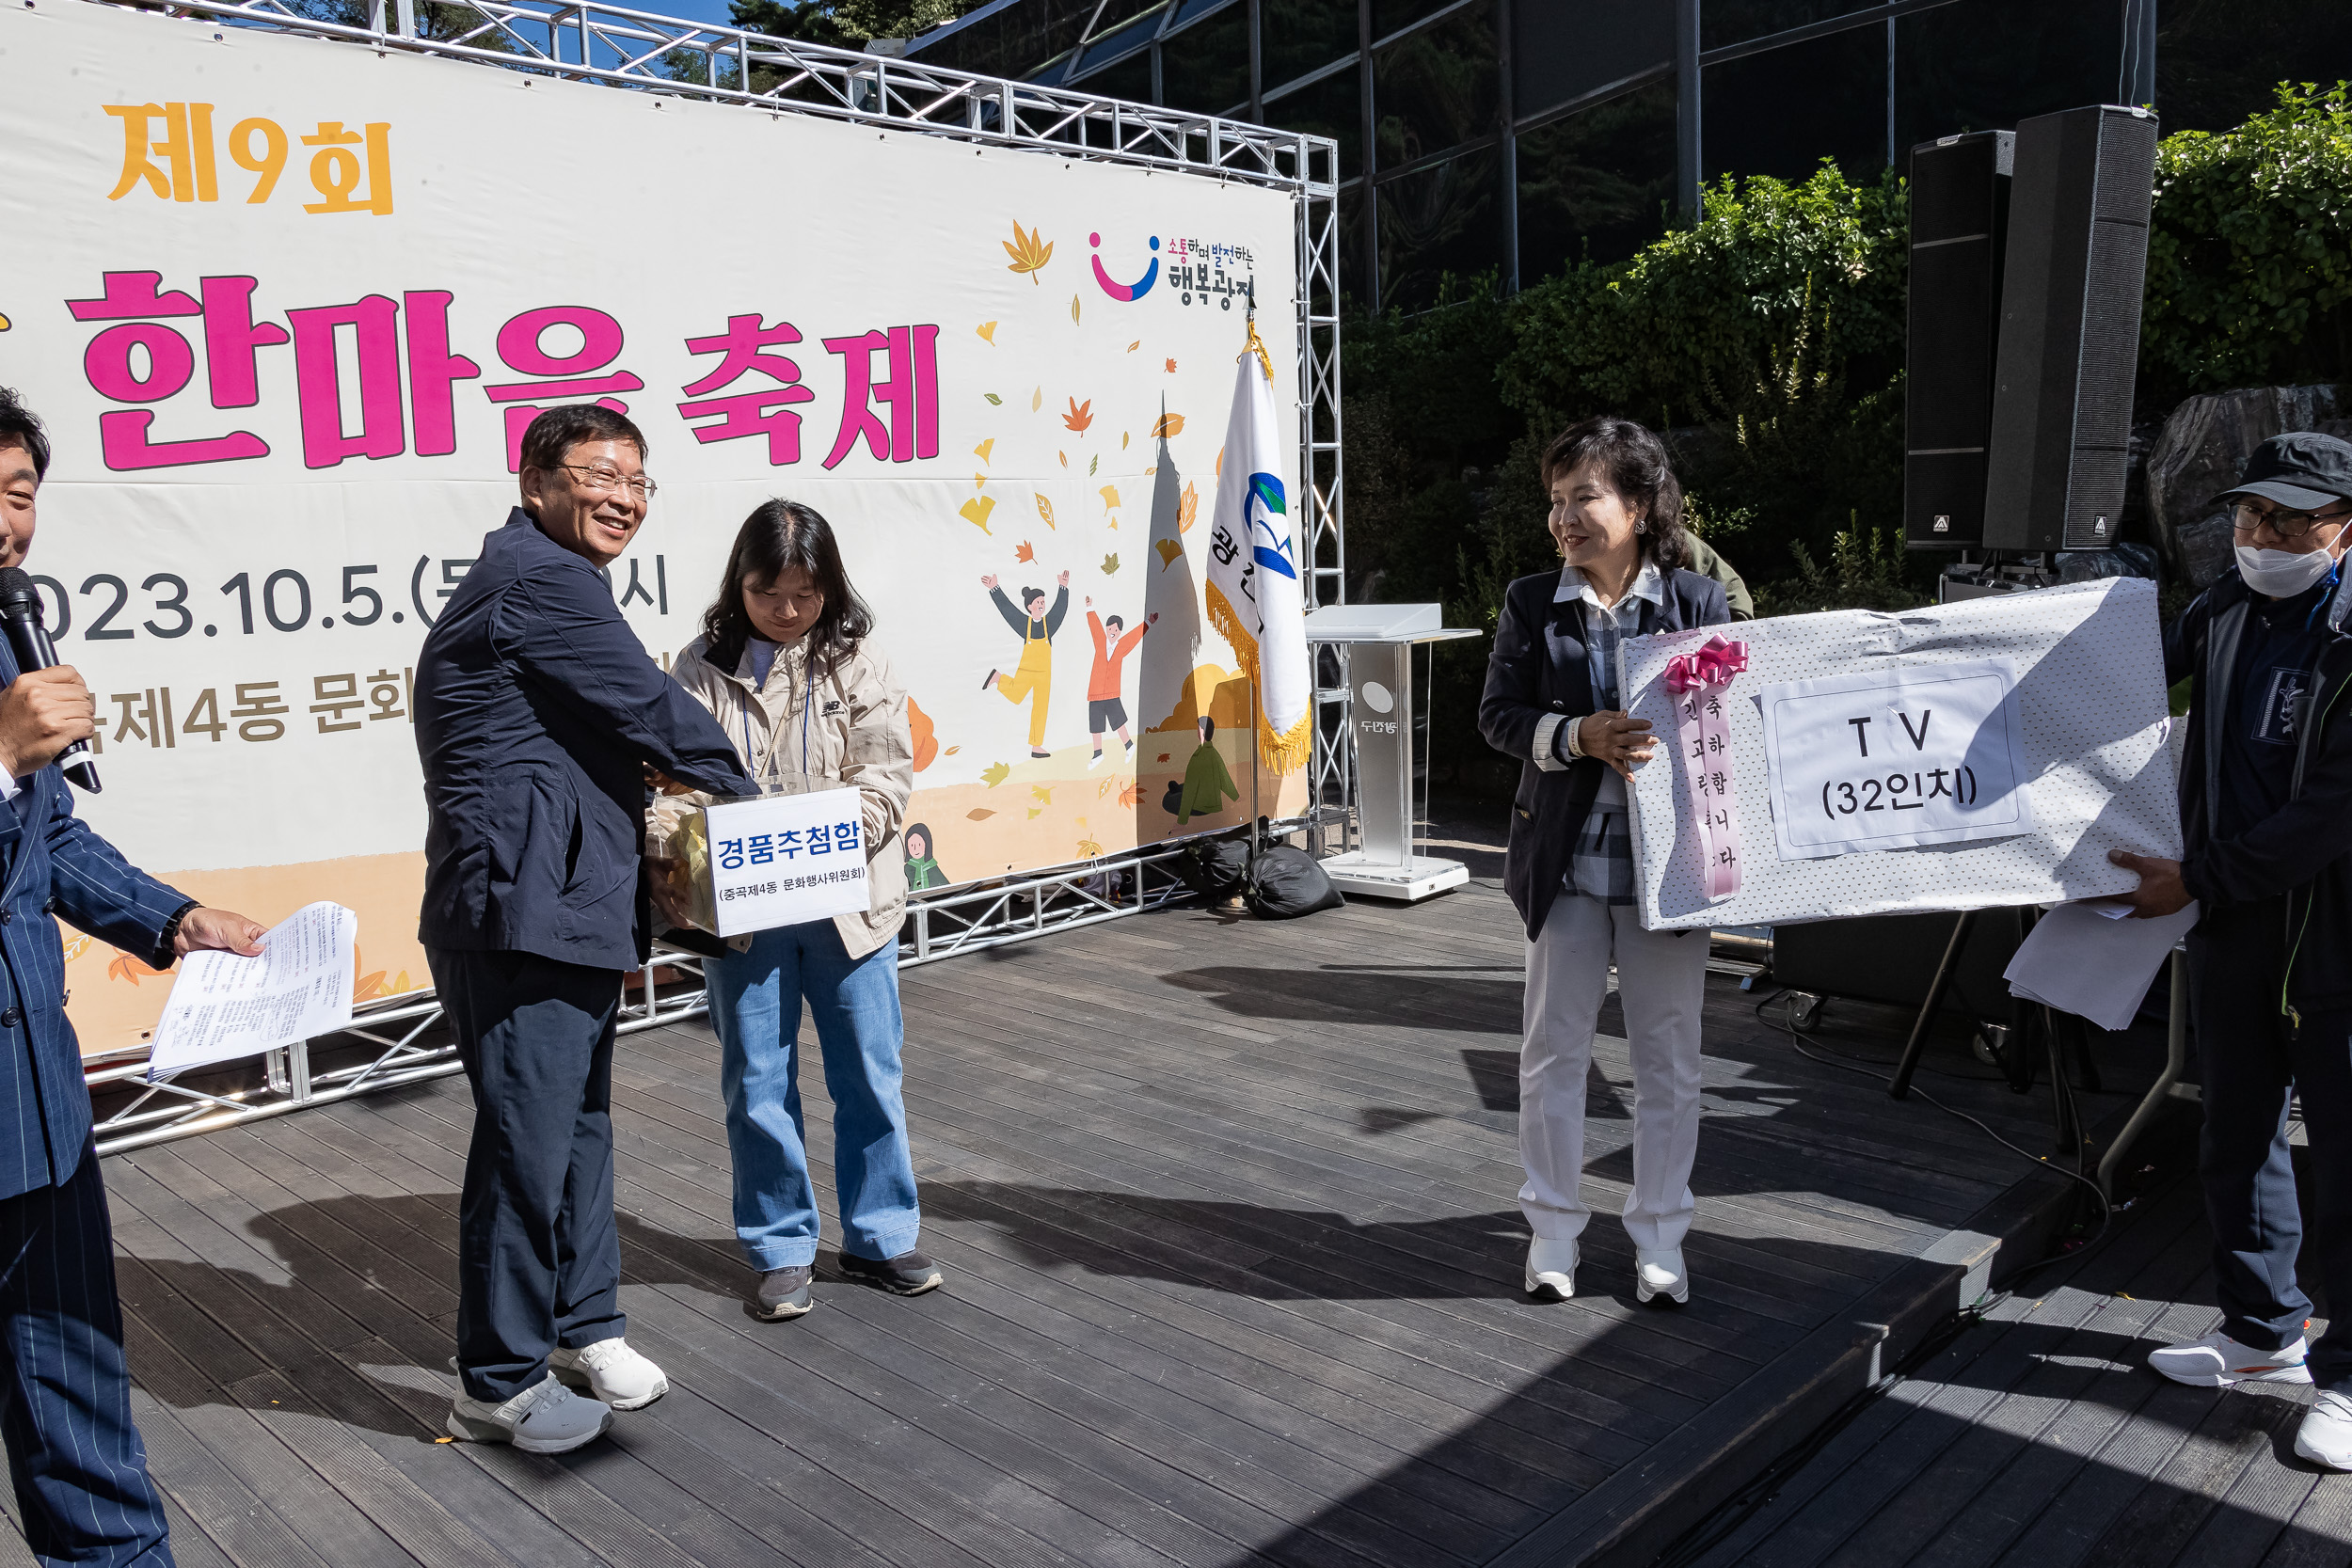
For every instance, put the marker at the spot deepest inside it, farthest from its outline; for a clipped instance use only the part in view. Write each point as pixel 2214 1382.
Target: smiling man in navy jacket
pixel 82 1490
pixel 538 714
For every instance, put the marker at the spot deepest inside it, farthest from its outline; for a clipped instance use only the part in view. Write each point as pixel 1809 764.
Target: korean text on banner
pixel 1896 758
pixel 224 1006
pixel 783 860
pixel 1255 595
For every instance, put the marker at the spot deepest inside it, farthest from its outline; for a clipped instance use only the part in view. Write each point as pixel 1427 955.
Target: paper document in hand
pixel 224 1006
pixel 2080 959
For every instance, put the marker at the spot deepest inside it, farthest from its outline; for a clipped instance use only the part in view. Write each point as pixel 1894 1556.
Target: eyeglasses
pixel 604 482
pixel 2246 517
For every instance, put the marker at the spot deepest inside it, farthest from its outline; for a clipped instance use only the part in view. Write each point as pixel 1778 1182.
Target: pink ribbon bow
pixel 1698 680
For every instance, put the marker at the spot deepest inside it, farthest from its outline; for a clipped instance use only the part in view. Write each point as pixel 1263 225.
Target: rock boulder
pixel 2200 454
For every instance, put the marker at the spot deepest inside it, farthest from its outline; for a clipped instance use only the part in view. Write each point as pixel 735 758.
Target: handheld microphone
pixel 20 616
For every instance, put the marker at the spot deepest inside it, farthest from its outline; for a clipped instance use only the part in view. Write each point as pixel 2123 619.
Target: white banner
pixel 292 303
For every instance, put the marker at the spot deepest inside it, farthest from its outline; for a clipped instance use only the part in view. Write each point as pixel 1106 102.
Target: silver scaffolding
pixel 399 1041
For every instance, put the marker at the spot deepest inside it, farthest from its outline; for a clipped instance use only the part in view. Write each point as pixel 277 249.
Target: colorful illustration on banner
pixel 1105 711
pixel 1032 679
pixel 1208 784
pixel 922 864
pixel 924 734
pixel 1029 254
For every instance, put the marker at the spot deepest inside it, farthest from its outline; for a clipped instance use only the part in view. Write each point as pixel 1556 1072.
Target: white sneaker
pixel 1660 1274
pixel 1094 762
pixel 610 1370
pixel 2218 1361
pixel 2326 1435
pixel 1551 1269
pixel 546 1418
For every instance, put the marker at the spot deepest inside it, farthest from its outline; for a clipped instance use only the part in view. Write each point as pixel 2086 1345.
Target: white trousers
pixel 1661 978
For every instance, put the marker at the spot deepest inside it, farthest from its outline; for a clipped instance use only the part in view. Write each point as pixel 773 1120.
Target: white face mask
pixel 2281 574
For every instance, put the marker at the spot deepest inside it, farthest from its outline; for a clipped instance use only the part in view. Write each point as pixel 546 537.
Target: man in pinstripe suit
pixel 81 1489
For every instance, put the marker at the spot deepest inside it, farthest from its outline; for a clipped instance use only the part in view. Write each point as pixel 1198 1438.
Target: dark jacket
pixel 51 864
pixel 2300 851
pixel 1018 619
pixel 536 711
pixel 1537 669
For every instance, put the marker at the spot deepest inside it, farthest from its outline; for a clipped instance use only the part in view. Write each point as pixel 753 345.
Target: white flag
pixel 1256 592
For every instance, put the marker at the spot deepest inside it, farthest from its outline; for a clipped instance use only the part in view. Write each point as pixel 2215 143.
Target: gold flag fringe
pixel 1284 753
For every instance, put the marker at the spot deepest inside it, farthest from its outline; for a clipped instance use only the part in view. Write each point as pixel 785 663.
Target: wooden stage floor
pixel 1227 1211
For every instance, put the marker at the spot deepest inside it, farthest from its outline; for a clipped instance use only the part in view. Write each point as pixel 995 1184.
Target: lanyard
pixel 767 767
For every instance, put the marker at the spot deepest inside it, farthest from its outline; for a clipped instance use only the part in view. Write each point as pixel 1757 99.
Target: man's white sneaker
pixel 612 1371
pixel 2218 1361
pixel 1660 1274
pixel 2326 1435
pixel 546 1418
pixel 1551 1269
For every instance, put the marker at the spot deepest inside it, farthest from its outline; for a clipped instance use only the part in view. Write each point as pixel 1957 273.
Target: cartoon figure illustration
pixel 922 866
pixel 1105 711
pixel 1033 677
pixel 1207 784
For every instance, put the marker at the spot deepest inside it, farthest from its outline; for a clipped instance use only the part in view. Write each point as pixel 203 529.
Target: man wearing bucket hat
pixel 2266 817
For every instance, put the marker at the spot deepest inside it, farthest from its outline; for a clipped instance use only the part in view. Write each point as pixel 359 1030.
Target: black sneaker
pixel 783 1293
pixel 910 1274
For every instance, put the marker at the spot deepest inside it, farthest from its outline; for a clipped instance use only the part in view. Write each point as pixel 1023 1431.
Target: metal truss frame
pixel 645 51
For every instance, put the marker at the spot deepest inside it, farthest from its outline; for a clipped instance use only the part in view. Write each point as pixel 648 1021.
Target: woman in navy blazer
pixel 1552 701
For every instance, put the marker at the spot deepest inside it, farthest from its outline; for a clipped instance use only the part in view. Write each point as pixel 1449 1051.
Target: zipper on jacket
pixel 2287 1009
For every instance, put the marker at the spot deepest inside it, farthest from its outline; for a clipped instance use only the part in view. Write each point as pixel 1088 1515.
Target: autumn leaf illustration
pixel 1093 463
pixel 1110 563
pixel 1110 496
pixel 1023 554
pixel 1042 792
pixel 1065 458
pixel 1029 254
pixel 367 987
pixel 1046 510
pixel 1100 790
pixel 1169 550
pixel 1080 416
pixel 988 333
pixel 996 773
pixel 1172 367
pixel 994 398
pixel 1168 424
pixel 952 751
pixel 1137 344
pixel 1220 462
pixel 76 945
pixel 976 511
pixel 1132 793
pixel 925 733
pixel 1123 440
pixel 979 814
pixel 986 450
pixel 1163 756
pixel 1037 399
pixel 128 968
pixel 1073 308
pixel 1037 811
pixel 1188 508
pixel 980 482
pixel 1088 847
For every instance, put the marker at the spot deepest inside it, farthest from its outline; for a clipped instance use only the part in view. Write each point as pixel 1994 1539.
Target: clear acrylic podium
pixel 1380 640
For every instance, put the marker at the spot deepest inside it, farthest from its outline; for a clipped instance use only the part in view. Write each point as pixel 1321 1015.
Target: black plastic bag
pixel 1215 868
pixel 1285 883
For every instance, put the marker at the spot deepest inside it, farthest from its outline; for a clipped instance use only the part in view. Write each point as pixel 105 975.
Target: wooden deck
pixel 2040 1439
pixel 1233 1277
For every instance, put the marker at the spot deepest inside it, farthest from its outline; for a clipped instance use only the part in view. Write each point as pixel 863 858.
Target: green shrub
pixel 2250 252
pixel 1866 571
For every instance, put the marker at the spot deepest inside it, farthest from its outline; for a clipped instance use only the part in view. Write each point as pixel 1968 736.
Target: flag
pixel 1256 590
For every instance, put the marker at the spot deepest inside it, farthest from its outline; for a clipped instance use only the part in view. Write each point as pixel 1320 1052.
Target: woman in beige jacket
pixel 788 666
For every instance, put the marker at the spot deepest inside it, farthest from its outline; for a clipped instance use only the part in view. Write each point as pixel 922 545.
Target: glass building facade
pixel 1515 137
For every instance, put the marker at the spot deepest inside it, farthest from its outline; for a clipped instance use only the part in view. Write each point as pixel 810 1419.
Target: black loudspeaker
pixel 1959 228
pixel 2069 328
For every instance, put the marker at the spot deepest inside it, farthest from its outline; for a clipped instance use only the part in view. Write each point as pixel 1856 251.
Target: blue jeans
pixel 755 1004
